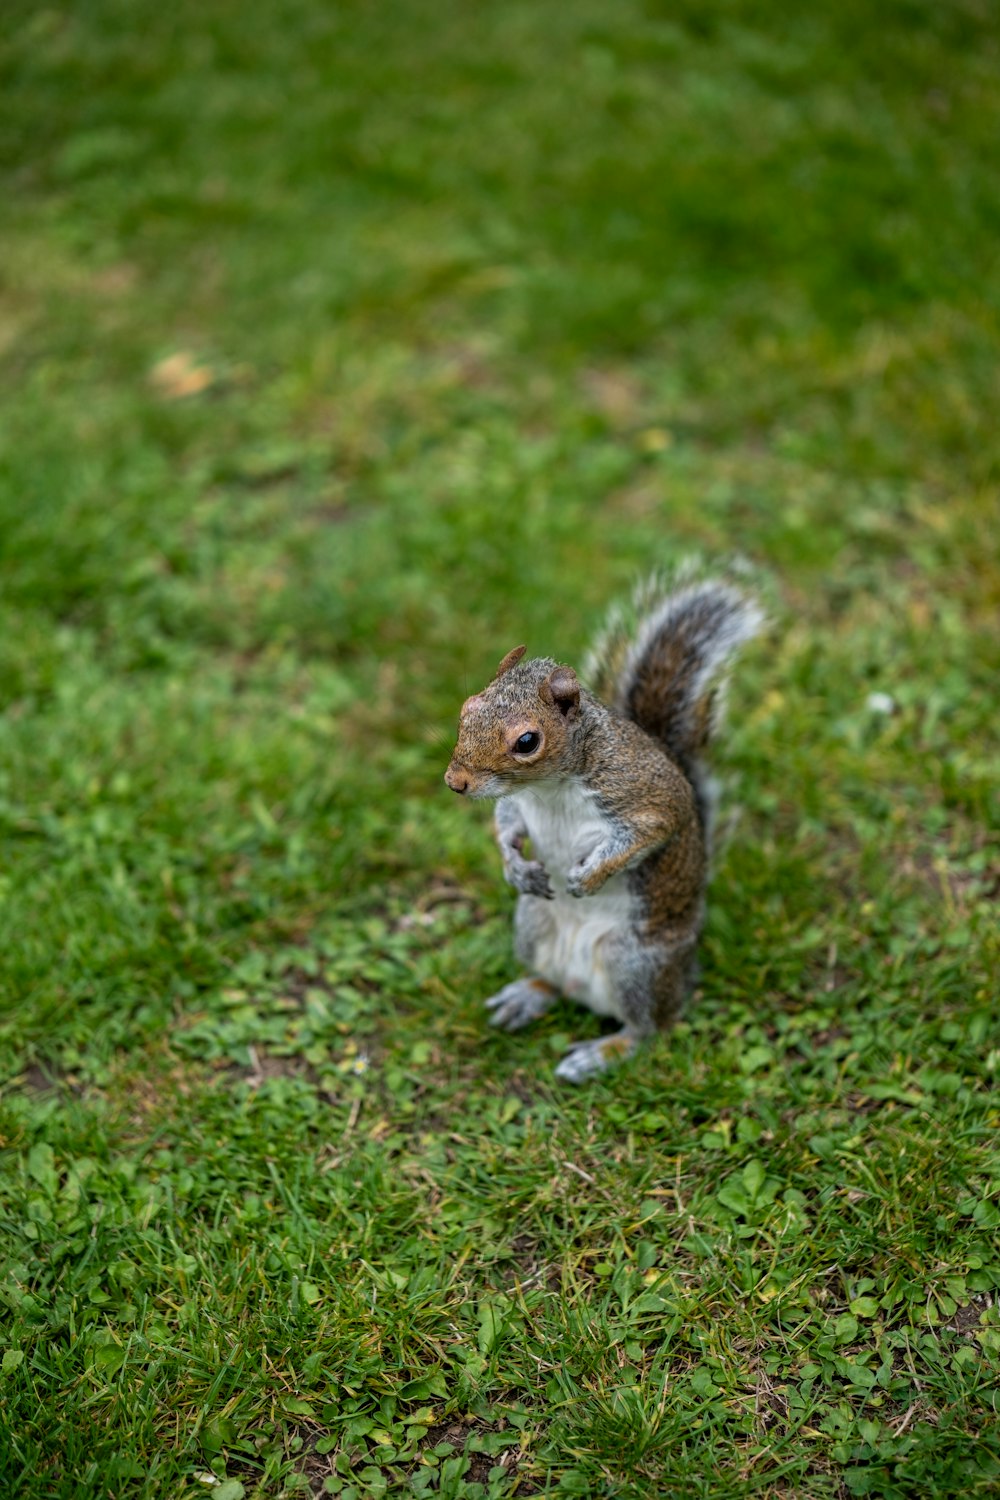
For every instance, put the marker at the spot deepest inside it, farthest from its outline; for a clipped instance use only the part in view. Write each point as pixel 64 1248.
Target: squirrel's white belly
pixel 571 948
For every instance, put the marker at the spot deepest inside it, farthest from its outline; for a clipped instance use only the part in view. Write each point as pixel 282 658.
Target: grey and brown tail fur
pixel 662 663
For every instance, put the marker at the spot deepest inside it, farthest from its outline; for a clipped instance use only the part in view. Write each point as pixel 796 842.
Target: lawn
pixel 346 346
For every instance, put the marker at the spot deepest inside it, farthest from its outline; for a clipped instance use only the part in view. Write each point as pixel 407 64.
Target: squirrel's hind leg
pixel 520 1003
pixel 587 1059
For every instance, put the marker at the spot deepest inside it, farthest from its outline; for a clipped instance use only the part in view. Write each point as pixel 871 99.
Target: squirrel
pixel 612 789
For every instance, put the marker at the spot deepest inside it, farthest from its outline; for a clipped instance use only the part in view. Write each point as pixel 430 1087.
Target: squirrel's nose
pixel 457 780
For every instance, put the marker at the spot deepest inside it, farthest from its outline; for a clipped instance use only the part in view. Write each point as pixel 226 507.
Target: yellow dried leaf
pixel 181 375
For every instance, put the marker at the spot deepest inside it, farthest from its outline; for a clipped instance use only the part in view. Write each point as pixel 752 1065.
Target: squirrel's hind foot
pixel 587 1059
pixel 520 1003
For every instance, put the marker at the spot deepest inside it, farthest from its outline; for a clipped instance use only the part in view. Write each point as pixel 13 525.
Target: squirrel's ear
pixel 561 689
pixel 510 660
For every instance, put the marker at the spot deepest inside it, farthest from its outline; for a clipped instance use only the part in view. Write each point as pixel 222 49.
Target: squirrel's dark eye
pixel 527 743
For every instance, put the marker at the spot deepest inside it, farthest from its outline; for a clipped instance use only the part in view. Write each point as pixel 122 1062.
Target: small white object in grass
pixel 359 1065
pixel 880 703
pixel 207 1479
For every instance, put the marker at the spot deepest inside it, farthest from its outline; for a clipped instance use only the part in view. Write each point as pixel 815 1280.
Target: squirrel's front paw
pixel 580 880
pixel 530 878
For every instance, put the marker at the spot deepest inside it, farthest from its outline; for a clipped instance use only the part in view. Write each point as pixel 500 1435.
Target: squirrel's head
pixel 517 730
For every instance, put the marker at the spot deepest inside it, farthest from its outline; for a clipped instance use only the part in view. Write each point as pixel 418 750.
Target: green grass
pixel 345 347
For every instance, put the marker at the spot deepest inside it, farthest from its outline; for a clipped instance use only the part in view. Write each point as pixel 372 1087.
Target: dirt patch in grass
pixel 962 887
pixel 315 1467
pixel 452 1437
pixel 37 1080
pixel 457 1434
pixel 469 1437
pixel 529 1266
pixel 523 1249
pixel 966 1318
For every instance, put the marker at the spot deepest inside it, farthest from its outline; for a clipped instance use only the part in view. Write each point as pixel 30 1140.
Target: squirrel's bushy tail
pixel 662 663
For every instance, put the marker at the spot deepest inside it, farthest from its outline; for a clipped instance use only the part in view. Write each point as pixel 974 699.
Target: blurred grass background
pixel 344 347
